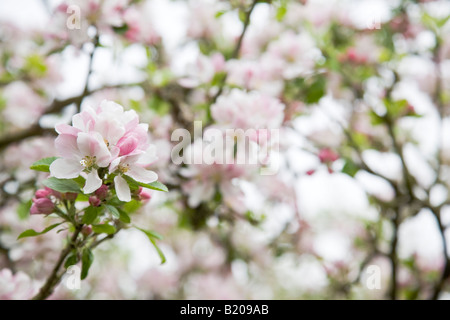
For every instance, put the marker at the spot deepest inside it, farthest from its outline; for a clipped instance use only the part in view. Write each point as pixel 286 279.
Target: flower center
pixel 88 161
pixel 123 168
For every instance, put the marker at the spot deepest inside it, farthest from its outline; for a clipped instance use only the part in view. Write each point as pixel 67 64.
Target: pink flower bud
pixel 42 206
pixel 102 192
pixel 310 172
pixel 94 201
pixel 86 230
pixel 42 193
pixel 144 195
pixel 54 193
pixel 327 155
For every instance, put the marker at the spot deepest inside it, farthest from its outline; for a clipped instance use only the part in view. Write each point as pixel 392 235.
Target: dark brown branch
pixel 56 275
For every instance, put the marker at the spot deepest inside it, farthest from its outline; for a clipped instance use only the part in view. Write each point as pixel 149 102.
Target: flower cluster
pixel 106 143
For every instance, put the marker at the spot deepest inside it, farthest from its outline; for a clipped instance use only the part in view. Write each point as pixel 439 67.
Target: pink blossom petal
pixel 67 146
pixel 127 145
pixel 122 189
pixel 66 129
pixel 110 129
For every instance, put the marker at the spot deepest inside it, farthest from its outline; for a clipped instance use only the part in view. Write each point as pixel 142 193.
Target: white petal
pixel 65 168
pixel 142 175
pixel 93 182
pixel 114 164
pixel 67 146
pixel 122 189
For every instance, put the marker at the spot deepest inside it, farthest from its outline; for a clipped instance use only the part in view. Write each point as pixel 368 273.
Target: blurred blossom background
pixel 359 91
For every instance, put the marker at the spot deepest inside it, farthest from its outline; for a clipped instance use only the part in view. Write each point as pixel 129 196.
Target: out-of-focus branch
pixel 56 107
pixel 237 49
pixel 56 275
pixel 446 269
pixel 6 253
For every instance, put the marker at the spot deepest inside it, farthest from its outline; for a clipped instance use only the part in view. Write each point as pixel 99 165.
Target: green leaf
pixel 23 210
pixel 86 261
pixel 242 16
pixel 43 164
pixel 80 181
pixel 62 185
pixel 32 233
pixel 104 228
pixel 90 214
pixel 375 119
pixel 35 64
pixel 316 91
pixel 281 12
pixel 113 210
pixel 124 217
pixel 160 253
pixel 132 206
pixel 71 260
pixel 350 168
pixel 158 186
pixel 151 235
pixel 219 13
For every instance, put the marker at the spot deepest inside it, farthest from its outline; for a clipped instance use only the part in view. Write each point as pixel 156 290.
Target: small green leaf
pixel 32 233
pixel 132 206
pixel 80 181
pixel 71 260
pixel 86 261
pixel 124 217
pixel 104 228
pixel 219 13
pixel 90 214
pixel 43 164
pixel 316 91
pixel 151 235
pixel 281 12
pixel 158 186
pixel 160 253
pixel 350 168
pixel 23 210
pixel 113 210
pixel 62 185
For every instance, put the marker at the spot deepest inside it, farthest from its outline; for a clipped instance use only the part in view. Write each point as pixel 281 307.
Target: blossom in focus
pixel 102 138
pixel 129 166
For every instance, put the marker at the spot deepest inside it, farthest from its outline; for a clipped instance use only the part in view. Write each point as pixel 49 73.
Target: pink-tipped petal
pixel 66 129
pixel 67 146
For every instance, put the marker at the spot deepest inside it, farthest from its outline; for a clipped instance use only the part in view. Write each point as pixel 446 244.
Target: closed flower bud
pixel 144 195
pixel 42 193
pixel 87 230
pixel 327 155
pixel 94 201
pixel 102 192
pixel 42 206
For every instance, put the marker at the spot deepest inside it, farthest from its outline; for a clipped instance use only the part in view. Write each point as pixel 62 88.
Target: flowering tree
pixel 274 149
